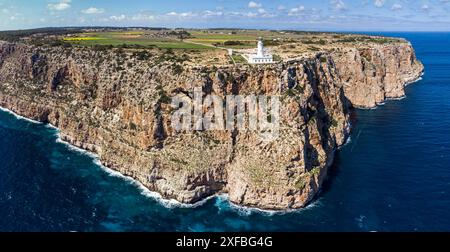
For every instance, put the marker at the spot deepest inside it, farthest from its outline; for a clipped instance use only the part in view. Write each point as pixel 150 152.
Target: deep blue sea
pixel 394 174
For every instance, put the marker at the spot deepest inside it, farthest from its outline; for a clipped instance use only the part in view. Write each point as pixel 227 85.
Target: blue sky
pixel 331 15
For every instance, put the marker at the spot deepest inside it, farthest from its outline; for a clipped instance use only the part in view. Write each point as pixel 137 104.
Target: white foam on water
pixel 349 136
pixel 19 116
pixel 397 98
pixel 144 190
pixel 51 126
pixel 247 211
pixel 416 80
pixel 172 203
pixel 349 140
pixel 74 148
pixel 168 203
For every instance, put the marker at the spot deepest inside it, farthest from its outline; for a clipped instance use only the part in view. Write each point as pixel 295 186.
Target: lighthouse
pixel 261 57
pixel 260 50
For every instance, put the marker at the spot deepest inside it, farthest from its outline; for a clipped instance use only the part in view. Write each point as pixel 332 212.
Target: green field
pixel 196 39
pixel 239 59
pixel 245 40
pixel 130 38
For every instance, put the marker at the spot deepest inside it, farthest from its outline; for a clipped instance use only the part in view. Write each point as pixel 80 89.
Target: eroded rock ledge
pixel 121 114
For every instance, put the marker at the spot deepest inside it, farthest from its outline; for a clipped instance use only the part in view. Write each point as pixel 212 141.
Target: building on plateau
pixel 261 56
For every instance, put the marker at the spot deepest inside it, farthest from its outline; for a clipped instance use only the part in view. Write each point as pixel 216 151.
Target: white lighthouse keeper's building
pixel 261 57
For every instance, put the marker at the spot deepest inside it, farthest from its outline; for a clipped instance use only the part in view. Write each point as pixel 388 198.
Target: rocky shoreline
pixel 122 116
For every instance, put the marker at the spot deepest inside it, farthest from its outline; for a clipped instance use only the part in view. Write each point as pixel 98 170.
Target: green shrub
pixel 163 97
pixel 334 123
pixel 132 126
pixel 232 43
pixel 142 55
pixel 321 42
pixel 177 69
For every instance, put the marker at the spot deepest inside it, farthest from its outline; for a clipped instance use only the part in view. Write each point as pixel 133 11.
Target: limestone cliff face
pixel 123 115
pixel 373 74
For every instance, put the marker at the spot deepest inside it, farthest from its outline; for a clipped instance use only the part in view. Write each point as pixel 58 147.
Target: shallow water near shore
pixel 394 175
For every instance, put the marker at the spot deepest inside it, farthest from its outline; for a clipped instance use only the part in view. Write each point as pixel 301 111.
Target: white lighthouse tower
pixel 260 50
pixel 261 57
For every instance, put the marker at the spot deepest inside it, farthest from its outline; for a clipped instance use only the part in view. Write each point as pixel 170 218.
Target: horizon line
pixel 223 28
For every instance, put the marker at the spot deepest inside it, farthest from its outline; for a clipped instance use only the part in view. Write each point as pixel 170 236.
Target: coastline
pixel 172 203
pixel 168 203
pixel 407 83
pixel 128 155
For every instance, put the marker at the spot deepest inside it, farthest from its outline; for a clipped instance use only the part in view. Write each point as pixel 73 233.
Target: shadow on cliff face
pixel 336 167
pixel 333 172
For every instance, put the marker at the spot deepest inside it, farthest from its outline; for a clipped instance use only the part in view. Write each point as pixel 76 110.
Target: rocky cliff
pixel 116 103
pixel 371 75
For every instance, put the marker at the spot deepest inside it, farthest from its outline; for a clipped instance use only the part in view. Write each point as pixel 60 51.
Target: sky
pixel 318 15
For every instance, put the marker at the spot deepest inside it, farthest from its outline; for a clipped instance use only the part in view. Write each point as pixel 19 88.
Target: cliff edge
pixel 116 103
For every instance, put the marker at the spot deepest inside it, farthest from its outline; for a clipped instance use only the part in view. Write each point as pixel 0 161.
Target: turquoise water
pixel 394 175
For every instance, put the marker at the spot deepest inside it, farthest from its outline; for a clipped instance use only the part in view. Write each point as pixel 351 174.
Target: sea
pixel 393 174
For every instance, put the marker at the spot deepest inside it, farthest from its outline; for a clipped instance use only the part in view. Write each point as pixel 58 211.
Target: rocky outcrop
pixel 373 74
pixel 117 105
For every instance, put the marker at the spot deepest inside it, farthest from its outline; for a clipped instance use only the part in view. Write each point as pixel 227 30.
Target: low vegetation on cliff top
pixel 204 47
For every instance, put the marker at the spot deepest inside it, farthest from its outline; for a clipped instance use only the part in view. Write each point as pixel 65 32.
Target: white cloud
pixel 93 10
pixel 252 14
pixel 396 7
pixel 61 5
pixel 181 15
pixel 379 3
pixel 187 14
pixel 281 7
pixel 15 16
pixel 425 7
pixel 209 13
pixel 338 5
pixel 143 17
pixel 261 11
pixel 255 5
pixel 118 18
pixel 296 10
